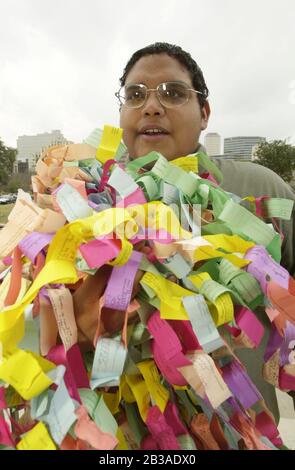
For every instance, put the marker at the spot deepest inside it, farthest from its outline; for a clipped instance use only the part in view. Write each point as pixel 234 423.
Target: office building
pixel 241 147
pixel 212 143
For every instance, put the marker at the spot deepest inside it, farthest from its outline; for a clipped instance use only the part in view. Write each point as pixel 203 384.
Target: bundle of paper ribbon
pixel 168 376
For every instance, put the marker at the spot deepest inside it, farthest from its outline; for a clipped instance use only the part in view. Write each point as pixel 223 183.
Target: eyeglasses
pixel 169 94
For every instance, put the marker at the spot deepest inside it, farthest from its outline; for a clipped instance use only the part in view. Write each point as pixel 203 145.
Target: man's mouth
pixel 152 134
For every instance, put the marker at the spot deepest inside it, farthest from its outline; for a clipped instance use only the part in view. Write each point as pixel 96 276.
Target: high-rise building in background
pixel 254 152
pixel 241 147
pixel 212 143
pixel 30 147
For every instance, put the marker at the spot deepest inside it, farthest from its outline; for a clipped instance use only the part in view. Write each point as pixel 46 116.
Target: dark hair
pixel 177 53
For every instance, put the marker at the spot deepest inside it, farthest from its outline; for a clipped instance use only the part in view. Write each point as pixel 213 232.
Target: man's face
pixel 182 124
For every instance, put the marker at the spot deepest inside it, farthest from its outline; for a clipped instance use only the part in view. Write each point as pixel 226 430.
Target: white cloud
pixel 60 61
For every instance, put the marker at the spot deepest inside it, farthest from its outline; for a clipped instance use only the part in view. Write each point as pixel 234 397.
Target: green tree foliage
pixel 278 156
pixel 7 158
pixel 19 180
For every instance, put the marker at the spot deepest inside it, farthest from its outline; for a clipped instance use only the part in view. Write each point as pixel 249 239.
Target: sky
pixel 61 60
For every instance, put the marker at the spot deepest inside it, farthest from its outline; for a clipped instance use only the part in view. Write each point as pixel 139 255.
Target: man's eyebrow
pixel 163 81
pixel 135 83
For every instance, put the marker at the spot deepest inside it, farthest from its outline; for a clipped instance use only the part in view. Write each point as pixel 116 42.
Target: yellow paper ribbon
pixel 141 394
pixel 110 141
pixel 37 438
pixel 152 379
pixel 188 163
pixel 222 309
pixel 230 243
pixel 25 372
pixel 170 295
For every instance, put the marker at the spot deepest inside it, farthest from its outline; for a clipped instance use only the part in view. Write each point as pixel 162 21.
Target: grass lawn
pixel 5 210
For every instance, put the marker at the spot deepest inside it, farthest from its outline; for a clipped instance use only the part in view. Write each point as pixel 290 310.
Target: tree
pixel 19 180
pixel 7 158
pixel 278 156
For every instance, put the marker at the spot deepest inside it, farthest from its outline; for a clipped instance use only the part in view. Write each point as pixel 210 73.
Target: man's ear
pixel 205 113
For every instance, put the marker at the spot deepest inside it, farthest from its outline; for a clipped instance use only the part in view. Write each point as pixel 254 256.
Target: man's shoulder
pixel 245 168
pixel 248 178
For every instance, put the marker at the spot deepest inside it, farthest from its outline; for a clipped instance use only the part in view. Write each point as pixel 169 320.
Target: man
pixel 182 125
pixel 164 107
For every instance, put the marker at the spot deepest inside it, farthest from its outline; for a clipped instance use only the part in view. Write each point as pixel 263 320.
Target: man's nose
pixel 152 105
